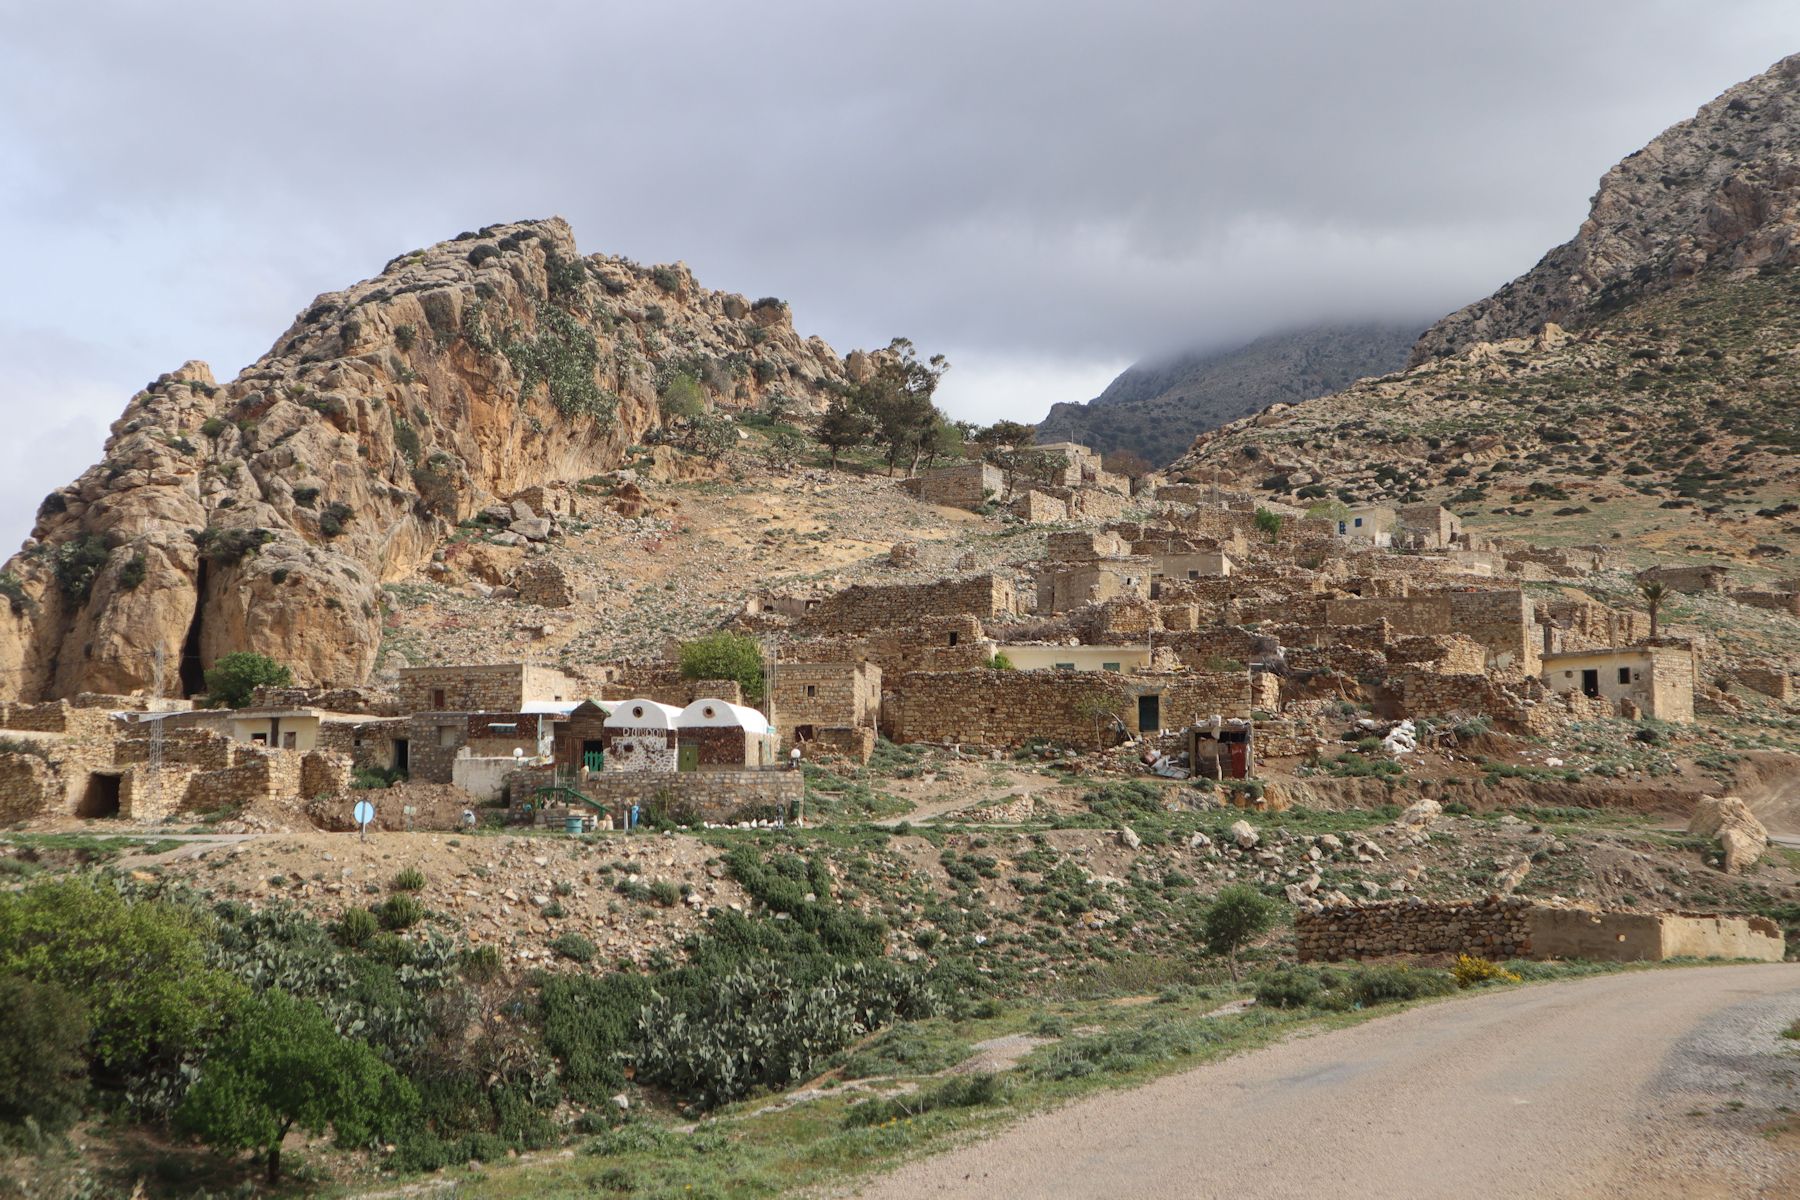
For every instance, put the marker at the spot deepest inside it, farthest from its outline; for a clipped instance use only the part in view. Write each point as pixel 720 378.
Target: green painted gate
pixel 687 758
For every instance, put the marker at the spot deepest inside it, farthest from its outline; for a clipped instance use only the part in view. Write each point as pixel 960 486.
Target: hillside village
pixel 610 743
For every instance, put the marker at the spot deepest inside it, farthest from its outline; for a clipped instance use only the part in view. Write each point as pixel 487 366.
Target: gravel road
pixel 1615 1086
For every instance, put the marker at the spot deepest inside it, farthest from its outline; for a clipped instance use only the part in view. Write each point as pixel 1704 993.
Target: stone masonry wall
pixel 865 607
pixel 1498 927
pixel 720 797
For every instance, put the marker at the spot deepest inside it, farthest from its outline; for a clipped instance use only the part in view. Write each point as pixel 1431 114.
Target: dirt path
pixel 1617 1086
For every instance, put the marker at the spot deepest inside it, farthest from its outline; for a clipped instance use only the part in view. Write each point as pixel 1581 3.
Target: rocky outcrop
pixel 1721 189
pixel 1727 820
pixel 265 513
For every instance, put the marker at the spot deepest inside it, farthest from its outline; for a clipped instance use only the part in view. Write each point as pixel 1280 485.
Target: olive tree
pixel 1236 916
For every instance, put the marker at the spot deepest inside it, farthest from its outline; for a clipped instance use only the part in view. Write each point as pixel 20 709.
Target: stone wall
pixel 967 486
pixel 720 797
pixel 928 644
pixel 1776 684
pixel 1498 927
pixel 501 687
pixel 1783 602
pixel 1078 708
pixel 28 788
pixel 825 696
pixel 1039 507
pixel 862 608
pixel 336 700
pixel 1501 927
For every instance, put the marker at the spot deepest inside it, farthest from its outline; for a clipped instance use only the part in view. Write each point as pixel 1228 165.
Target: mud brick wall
pixel 1498 927
pixel 863 608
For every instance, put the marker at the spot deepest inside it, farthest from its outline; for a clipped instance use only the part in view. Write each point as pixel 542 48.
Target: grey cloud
pixel 1010 182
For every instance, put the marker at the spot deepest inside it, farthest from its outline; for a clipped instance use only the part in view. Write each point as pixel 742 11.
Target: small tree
pixel 43 1057
pixel 1654 593
pixel 1128 463
pixel 843 427
pixel 234 677
pixel 282 1066
pixel 725 655
pixel 1239 914
pixel 1269 523
pixel 782 454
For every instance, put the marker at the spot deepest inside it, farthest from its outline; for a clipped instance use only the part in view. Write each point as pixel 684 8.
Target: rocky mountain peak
pixel 265 513
pixel 1719 191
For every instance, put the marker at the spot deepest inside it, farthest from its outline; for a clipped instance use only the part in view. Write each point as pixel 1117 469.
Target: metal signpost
pixel 364 812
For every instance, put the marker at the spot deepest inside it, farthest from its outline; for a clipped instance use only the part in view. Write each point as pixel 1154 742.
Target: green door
pixel 687 758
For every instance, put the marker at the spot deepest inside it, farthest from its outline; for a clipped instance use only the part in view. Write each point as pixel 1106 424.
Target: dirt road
pixel 1617 1086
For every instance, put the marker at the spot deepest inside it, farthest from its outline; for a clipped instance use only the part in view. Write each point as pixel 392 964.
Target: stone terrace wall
pixel 721 797
pixel 1498 927
pixel 865 607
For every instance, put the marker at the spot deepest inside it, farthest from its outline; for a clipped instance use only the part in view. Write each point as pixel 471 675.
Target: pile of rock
pixel 1741 838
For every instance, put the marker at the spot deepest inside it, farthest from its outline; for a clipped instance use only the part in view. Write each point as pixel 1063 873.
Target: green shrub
pixel 665 893
pixel 228 547
pixel 966 1091
pixel 574 947
pixel 1386 984
pixel 43 1057
pixel 399 911
pixel 355 927
pixel 590 1024
pixel 408 879
pixel 333 517
pixel 1293 987
pixel 480 964
pixel 133 573
pixel 725 655
pixel 762 1026
pixel 233 679
pixel 214 427
pixel 904 1050
pixel 1238 915
pixel 13 588
pixel 77 564
pixel 405 336
pixel 282 1066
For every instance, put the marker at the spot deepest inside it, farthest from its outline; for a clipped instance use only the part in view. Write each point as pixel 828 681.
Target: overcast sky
pixel 1042 191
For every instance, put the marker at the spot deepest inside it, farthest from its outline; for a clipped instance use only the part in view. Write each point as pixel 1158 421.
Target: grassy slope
pixel 1685 398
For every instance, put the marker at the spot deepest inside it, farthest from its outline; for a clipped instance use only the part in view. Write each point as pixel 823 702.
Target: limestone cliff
pixel 1721 189
pixel 264 513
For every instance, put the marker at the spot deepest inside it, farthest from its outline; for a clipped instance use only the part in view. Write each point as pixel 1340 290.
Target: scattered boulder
pixel 1245 835
pixel 1729 821
pixel 1421 812
pixel 1129 839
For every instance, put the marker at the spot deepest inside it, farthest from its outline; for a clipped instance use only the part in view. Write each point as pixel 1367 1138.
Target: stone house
pixel 580 741
pixel 1427 527
pixel 717 735
pixel 641 736
pixel 813 702
pixel 1371 523
pixel 1063 586
pixel 967 485
pixel 1028 656
pixel 498 687
pixel 1638 681
pixel 1188 566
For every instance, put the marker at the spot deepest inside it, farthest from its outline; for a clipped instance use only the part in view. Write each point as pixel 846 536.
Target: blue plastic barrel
pixel 571 824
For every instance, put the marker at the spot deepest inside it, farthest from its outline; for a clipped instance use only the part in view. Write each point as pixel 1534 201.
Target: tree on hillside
pixel 945 441
pixel 1128 463
pixel 843 427
pixel 1002 436
pixel 725 655
pixel 1238 915
pixel 43 1057
pixel 283 1066
pixel 897 397
pixel 234 677
pixel 1270 523
pixel 1654 593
